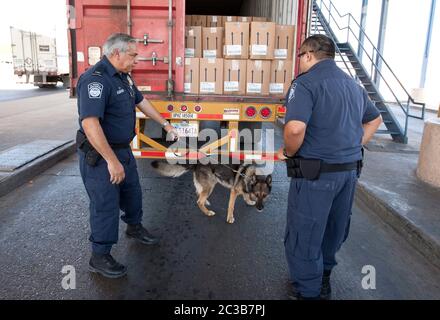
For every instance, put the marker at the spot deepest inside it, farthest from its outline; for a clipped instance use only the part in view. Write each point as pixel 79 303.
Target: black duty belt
pixel 311 169
pixel 92 156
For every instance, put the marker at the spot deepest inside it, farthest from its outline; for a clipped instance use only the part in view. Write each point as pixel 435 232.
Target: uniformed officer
pixel 107 98
pixel 329 118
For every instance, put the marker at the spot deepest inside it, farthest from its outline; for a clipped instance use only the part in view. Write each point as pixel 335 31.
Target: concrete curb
pixel 34 168
pixel 416 236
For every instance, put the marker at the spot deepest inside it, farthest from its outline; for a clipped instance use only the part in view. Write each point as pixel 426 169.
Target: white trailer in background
pixel 34 54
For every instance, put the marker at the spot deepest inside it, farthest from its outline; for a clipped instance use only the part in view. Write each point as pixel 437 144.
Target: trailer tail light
pixel 265 112
pixel 251 112
pixel 170 108
pixel 184 108
pixel 197 108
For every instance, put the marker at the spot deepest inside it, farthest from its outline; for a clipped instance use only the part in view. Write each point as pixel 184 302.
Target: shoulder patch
pixel 95 90
pixel 292 92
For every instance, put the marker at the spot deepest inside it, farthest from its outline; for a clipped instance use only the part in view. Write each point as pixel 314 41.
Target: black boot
pixel 139 233
pixel 292 294
pixel 326 288
pixel 105 265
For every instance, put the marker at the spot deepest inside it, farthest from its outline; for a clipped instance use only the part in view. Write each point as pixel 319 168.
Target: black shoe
pixel 292 294
pixel 298 296
pixel 139 233
pixel 105 265
pixel 326 288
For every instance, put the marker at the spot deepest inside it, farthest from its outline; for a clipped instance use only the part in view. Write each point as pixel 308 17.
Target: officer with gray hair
pixel 107 101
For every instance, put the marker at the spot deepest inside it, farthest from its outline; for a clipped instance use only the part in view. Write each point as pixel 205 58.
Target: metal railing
pixel 325 10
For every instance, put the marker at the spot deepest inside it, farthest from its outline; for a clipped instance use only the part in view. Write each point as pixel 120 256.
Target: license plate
pixel 187 128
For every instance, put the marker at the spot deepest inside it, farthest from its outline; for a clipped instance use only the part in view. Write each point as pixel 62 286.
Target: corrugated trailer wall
pixel 279 11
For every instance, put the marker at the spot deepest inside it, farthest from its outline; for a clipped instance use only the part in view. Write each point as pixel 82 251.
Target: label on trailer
pixel 80 56
pixel 189 53
pixel 207 87
pixel 259 50
pixel 233 50
pixel 231 86
pixel 253 87
pixel 276 88
pixel 280 54
pixel 184 116
pixel 209 53
pixel 94 55
pixel 187 87
pixel 231 111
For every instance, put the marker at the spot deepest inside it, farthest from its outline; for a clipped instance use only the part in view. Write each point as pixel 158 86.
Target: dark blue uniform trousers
pixel 318 221
pixel 107 199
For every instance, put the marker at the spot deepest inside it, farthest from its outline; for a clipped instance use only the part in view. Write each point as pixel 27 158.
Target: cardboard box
pixel 284 41
pixel 234 77
pixel 198 20
pixel 212 42
pixel 214 21
pixel 280 77
pixel 188 20
pixel 262 40
pixel 228 19
pixel 259 19
pixel 192 71
pixel 211 76
pixel 258 77
pixel 236 40
pixel 244 19
pixel 193 42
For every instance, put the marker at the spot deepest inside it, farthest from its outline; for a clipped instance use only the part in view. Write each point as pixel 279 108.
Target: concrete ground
pixel 44 226
pixel 51 117
pixel 389 181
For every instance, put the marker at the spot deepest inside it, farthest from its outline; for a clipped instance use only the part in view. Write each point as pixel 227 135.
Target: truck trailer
pixel 35 54
pixel 162 29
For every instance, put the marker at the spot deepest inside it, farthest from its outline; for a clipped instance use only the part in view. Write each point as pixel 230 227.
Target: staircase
pixel 324 17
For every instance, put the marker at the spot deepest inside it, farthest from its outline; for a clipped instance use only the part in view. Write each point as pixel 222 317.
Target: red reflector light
pixel 251 112
pixel 184 108
pixel 170 107
pixel 197 108
pixel 265 112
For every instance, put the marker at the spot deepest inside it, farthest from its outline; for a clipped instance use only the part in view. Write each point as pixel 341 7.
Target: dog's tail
pixel 170 170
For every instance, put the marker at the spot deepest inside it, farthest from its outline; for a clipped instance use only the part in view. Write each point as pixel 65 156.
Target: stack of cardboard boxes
pixel 237 56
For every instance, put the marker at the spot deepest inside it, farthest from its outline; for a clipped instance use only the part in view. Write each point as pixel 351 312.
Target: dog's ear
pixel 269 180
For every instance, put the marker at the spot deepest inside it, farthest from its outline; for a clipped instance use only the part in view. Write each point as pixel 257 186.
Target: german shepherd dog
pixel 240 179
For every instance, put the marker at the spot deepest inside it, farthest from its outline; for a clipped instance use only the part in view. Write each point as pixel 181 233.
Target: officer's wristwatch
pixel 165 124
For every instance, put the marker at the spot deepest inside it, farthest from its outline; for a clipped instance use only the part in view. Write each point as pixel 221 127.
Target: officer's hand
pixel 172 133
pixel 280 154
pixel 117 173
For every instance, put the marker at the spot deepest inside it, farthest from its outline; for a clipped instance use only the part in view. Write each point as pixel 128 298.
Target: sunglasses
pixel 303 53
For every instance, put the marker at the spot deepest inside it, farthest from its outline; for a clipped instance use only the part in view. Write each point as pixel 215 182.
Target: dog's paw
pixel 230 220
pixel 210 213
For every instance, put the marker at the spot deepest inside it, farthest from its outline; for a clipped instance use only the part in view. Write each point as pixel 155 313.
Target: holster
pixel 309 169
pixel 91 155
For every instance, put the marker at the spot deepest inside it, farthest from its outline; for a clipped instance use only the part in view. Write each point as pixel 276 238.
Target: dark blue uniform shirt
pixel 334 107
pixel 111 96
